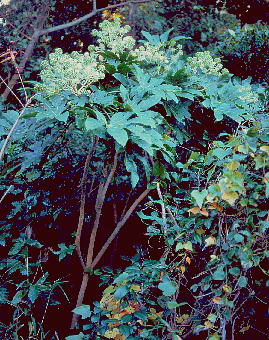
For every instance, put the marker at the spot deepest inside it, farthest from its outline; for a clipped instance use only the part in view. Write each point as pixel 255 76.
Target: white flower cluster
pixel 248 95
pixel 73 72
pixel 208 64
pixel 4 2
pixel 156 54
pixel 112 36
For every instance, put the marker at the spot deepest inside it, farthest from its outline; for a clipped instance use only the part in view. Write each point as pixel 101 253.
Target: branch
pixel 6 192
pixel 87 16
pixel 28 52
pixel 99 205
pixel 82 202
pixel 119 226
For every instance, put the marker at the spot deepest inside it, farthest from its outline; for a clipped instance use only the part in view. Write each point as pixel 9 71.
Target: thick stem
pixel 80 298
pixel 82 201
pixel 99 205
pixel 98 208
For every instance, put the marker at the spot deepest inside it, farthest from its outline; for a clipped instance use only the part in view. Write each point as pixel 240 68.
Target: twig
pixel 6 192
pixel 87 16
pixel 94 5
pixel 13 128
pixel 172 216
pixel 10 90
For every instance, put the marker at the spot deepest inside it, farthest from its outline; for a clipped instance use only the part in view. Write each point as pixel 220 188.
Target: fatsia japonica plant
pixel 132 106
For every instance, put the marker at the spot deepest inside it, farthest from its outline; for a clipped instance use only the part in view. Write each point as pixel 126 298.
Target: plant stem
pixel 82 202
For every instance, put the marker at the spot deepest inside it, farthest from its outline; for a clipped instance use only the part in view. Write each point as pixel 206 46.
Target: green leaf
pixel 83 310
pixel 120 292
pixel 18 297
pixel 33 293
pixel 238 238
pixel 141 315
pixel 235 271
pixel 188 246
pixel 158 169
pixel 125 330
pixel 132 168
pixel 219 274
pixel 242 282
pixel 119 135
pixel 212 317
pixel 221 153
pixel 79 336
pixel 121 278
pixel 174 304
pixel 199 196
pixel 168 287
pixel 92 123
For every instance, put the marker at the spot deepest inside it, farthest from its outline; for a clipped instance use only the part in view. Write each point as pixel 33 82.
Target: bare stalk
pixel 82 202
pixel 6 192
pixel 98 209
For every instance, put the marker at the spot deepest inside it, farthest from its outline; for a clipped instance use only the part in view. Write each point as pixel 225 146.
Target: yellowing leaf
pixel 208 324
pixel 130 309
pixel 200 231
pixel 244 329
pixel 204 212
pixel 120 337
pixel 109 303
pixel 197 210
pixel 227 289
pixel 135 288
pixel 233 165
pixel 194 210
pixel 183 269
pixel 182 318
pixel 216 206
pixel 217 300
pixel 230 197
pixel 210 241
pixel 111 334
pixel 265 148
pixel 154 315
pixel 188 260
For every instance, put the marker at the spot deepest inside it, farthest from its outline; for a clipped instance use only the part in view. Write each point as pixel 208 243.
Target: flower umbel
pixel 73 72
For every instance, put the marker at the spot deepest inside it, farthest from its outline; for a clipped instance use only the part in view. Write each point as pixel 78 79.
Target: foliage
pixel 245 51
pixel 119 123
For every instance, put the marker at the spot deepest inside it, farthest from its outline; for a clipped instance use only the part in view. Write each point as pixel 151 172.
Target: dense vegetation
pixel 134 170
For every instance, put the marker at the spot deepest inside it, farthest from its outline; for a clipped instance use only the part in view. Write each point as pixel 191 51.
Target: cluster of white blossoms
pixel 112 35
pixel 206 63
pixel 247 94
pixel 158 54
pixel 72 72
